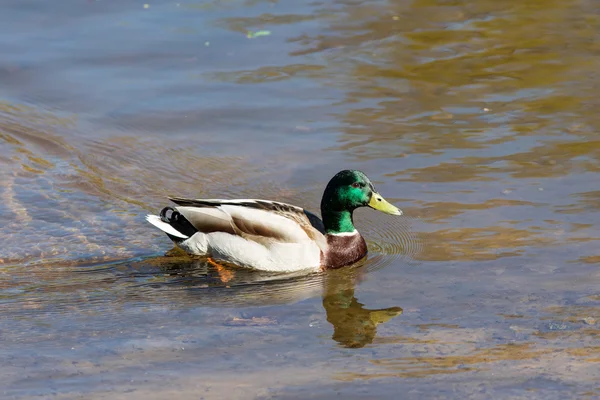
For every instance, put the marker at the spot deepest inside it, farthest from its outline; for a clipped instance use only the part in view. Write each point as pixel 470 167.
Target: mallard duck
pixel 272 236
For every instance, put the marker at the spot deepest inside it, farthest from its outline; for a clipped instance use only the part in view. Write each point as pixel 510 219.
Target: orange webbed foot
pixel 224 274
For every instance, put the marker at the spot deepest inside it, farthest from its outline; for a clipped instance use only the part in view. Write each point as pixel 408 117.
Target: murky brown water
pixel 478 118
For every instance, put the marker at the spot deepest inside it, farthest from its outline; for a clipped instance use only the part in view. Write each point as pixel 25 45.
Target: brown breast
pixel 343 250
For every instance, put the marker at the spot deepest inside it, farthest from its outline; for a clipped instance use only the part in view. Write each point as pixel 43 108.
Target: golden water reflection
pixel 479 119
pixel 353 325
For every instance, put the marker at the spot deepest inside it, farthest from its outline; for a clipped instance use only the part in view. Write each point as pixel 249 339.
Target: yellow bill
pixel 377 202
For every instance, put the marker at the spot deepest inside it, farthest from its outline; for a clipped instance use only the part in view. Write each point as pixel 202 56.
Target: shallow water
pixel 478 119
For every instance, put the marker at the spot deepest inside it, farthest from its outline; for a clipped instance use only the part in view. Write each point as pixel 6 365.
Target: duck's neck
pixel 345 246
pixel 337 222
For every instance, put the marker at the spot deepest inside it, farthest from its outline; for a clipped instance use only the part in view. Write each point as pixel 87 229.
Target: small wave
pixel 182 280
pixel 391 240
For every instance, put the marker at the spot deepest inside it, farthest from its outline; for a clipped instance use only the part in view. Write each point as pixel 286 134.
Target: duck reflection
pixel 354 326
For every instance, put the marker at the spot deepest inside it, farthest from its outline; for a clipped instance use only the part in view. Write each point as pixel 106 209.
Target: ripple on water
pixel 183 281
pixel 391 240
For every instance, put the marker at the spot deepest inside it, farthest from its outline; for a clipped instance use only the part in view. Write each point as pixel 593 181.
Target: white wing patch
pixel 163 226
pixel 241 201
pixel 252 203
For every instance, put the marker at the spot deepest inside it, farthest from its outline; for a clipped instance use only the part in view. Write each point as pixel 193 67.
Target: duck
pixel 272 236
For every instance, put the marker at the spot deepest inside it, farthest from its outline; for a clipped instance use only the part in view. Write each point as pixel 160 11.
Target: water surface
pixel 478 119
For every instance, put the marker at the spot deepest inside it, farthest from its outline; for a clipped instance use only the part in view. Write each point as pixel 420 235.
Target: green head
pixel 345 192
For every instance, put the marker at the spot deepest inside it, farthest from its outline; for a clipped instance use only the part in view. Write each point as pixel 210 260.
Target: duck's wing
pixel 260 220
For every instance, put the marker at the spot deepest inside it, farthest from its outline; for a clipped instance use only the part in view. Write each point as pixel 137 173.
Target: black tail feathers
pixel 177 221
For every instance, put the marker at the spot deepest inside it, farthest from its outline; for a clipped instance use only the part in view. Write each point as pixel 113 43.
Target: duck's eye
pixel 356 185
